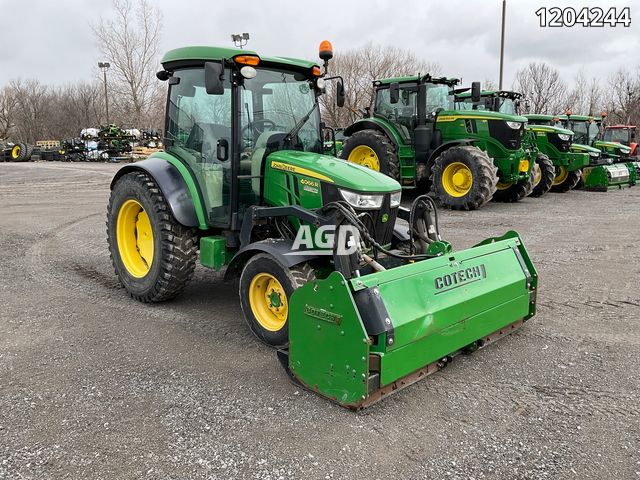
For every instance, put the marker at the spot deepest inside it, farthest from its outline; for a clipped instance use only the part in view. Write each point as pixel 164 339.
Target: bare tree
pixel 8 109
pixel 623 102
pixel 130 42
pixel 359 68
pixel 542 86
pixel 585 97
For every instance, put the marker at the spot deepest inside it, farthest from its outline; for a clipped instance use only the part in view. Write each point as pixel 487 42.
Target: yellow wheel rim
pixel 537 174
pixel 365 156
pixel 457 179
pixel 15 152
pixel 561 176
pixel 503 185
pixel 135 238
pixel 268 302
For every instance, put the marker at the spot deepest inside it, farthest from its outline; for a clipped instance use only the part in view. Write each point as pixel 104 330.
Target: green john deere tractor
pixel 541 152
pixel 416 136
pixel 557 143
pixel 357 304
pixel 612 168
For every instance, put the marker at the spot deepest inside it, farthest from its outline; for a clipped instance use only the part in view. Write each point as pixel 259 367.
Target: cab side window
pixel 197 123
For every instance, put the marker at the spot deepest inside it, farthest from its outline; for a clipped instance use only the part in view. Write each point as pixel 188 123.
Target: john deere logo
pixel 459 278
pixel 385 218
pixel 322 314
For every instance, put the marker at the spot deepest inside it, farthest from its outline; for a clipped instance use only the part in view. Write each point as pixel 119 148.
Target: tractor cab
pixel 624 134
pixel 493 100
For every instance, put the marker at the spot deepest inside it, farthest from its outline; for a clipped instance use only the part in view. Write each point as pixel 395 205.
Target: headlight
pixel 594 154
pixel 320 83
pixel 564 136
pixel 395 199
pixel 361 200
pixel 514 125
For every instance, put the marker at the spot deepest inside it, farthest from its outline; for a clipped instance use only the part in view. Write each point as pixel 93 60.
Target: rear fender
pixel 279 249
pixel 174 187
pixel 374 124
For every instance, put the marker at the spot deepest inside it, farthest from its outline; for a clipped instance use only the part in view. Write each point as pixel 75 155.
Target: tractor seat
pixel 258 157
pixel 204 137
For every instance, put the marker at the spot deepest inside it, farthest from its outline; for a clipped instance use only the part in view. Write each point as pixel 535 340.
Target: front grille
pixel 562 145
pixel 507 136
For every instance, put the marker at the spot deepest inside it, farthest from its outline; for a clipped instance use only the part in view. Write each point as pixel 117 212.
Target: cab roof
pixel 211 53
pixel 493 93
pixel 579 118
pixel 540 116
pixel 620 127
pixel 415 79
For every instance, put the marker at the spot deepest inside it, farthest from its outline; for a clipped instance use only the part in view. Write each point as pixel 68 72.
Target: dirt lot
pixel 94 385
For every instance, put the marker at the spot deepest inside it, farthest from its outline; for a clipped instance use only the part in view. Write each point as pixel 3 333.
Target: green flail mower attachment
pixel 356 341
pixel 602 178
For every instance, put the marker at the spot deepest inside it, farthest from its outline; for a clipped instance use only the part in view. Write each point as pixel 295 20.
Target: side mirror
pixel 394 92
pixel 213 78
pixel 340 95
pixel 633 135
pixel 475 92
pixel 222 149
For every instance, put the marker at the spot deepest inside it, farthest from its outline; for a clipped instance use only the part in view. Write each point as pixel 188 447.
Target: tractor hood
pixel 577 147
pixel 548 129
pixel 449 116
pixel 602 145
pixel 332 170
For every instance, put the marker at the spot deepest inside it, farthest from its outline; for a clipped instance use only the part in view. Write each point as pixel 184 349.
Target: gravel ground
pixel 95 385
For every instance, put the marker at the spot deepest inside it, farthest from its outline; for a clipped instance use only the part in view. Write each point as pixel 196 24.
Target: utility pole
pixel 504 12
pixel 104 66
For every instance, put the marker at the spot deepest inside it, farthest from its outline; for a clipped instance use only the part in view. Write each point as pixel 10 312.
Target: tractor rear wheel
pixel 153 255
pixel 265 289
pixel 463 178
pixel 513 192
pixel 543 174
pixel 374 150
pixel 21 152
pixel 565 180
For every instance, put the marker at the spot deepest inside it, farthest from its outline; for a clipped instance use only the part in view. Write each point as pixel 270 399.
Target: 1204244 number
pixel 586 17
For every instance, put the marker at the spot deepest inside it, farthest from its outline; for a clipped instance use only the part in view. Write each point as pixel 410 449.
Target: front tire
pixel 463 178
pixel 372 149
pixel 543 179
pixel 565 181
pixel 265 291
pixel 153 255
pixel 513 192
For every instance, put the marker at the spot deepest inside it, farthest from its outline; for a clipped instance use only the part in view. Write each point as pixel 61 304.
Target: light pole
pixel 104 66
pixel 240 40
pixel 504 11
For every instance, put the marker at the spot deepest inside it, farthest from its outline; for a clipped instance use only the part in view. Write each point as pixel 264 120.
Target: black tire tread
pixel 569 184
pixel 548 172
pixel 179 246
pixel 485 181
pixel 385 149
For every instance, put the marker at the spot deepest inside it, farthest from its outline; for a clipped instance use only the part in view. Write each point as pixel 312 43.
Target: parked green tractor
pixel 357 304
pixel 557 143
pixel 612 169
pixel 548 145
pixel 416 136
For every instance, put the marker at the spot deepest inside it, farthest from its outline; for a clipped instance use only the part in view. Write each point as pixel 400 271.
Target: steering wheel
pixel 257 127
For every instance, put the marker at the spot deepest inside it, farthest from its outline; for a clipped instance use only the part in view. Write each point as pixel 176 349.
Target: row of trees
pixel 129 41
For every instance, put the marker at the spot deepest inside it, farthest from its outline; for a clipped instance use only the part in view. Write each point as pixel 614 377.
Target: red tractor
pixel 625 134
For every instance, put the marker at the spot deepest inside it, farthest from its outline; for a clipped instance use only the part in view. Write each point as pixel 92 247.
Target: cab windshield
pixel 275 101
pixel 585 132
pixel 620 135
pixel 504 105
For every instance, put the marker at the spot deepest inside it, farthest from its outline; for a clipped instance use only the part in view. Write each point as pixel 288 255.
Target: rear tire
pixel 158 269
pixel 372 149
pixel 21 152
pixel 565 181
pixel 265 292
pixel 547 172
pixel 481 178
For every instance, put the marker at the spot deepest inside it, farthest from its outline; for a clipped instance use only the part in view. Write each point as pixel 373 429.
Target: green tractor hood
pixel 332 170
pixel 548 129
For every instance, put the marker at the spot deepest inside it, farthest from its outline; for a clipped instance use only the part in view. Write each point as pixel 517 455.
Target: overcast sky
pixel 53 41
